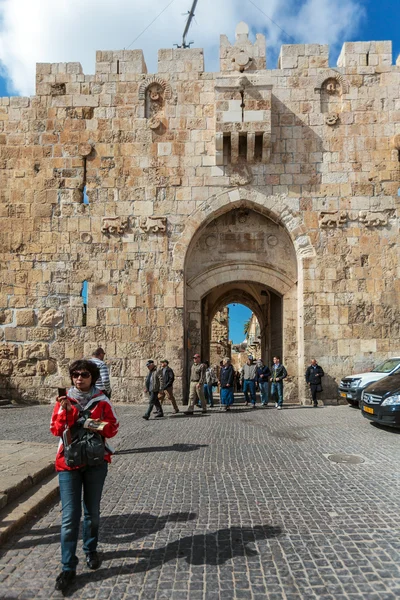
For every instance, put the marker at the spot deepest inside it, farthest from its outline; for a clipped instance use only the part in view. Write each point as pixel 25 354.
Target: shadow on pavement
pixel 130 526
pixel 200 549
pixel 173 448
pixel 391 430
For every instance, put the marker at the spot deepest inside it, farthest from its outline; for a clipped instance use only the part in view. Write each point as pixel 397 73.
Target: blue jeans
pixel 277 388
pixel 264 392
pixel 249 386
pixel 208 393
pixel 91 479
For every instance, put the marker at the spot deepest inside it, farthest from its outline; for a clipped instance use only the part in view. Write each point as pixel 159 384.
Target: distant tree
pixel 246 327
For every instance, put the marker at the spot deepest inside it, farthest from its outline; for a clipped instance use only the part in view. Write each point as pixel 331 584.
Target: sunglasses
pixel 83 374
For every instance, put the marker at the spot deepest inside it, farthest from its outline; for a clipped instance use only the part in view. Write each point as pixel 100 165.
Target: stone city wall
pixel 107 179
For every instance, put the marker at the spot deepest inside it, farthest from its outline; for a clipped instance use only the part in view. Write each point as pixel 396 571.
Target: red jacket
pixel 103 411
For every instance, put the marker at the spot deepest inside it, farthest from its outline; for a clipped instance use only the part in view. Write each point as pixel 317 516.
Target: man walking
pixel 226 377
pixel 103 382
pixel 197 381
pixel 314 374
pixel 154 384
pixel 168 377
pixel 279 373
pixel 263 375
pixel 249 376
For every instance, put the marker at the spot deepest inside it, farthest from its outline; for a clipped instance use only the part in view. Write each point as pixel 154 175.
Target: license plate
pixel 368 410
pixel 343 394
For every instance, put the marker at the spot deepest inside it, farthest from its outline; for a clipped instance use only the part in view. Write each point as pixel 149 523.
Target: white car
pixel 352 387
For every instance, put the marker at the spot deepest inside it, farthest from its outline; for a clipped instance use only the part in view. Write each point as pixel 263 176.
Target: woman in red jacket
pixel 83 395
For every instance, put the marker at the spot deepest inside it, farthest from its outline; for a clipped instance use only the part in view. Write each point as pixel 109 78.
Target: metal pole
pixel 188 23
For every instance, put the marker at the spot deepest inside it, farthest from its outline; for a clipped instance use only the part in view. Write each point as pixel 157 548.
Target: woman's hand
pixel 95 428
pixel 64 403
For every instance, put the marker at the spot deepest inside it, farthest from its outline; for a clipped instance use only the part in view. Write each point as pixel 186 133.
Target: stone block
pixel 25 317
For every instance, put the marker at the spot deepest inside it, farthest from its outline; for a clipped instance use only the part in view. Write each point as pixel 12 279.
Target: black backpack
pixel 81 446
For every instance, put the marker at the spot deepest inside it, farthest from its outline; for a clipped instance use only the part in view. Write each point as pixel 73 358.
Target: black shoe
pixel 64 580
pixel 315 406
pixel 189 413
pixel 93 560
pixel 204 410
pixel 158 415
pixel 145 417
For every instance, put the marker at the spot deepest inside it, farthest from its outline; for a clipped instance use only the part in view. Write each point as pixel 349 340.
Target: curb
pixel 28 505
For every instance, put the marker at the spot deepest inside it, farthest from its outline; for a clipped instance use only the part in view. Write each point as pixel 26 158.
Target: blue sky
pixel 72 30
pixel 238 315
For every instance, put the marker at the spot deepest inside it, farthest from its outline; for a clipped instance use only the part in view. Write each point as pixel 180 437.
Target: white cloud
pixel 72 30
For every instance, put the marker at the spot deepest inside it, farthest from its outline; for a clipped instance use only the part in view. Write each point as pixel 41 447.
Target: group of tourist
pixel 84 420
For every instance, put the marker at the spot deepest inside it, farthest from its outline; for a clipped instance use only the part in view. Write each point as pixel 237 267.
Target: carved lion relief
pixel 153 224
pixel 115 225
pixel 332 220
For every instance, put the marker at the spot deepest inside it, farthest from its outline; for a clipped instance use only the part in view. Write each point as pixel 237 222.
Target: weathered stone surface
pixel 6 367
pixel 50 318
pixel 25 318
pixel 274 188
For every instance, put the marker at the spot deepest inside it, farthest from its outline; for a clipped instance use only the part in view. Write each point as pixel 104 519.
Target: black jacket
pixel 226 376
pixel 314 375
pixel 279 373
pixel 263 374
pixel 168 377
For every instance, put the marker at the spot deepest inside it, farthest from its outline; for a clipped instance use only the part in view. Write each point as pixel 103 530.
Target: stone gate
pixel 170 195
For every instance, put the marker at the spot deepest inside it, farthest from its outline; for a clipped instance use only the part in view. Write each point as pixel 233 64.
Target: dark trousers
pixel 91 481
pixel 154 401
pixel 249 385
pixel 314 390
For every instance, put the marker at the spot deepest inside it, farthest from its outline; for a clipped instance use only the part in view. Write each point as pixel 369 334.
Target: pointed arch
pixel 276 208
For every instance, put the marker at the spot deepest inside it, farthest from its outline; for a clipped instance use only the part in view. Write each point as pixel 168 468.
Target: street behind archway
pixel 242 505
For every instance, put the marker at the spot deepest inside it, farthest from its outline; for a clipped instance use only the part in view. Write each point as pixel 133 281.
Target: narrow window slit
pixel 243 145
pixel 84 295
pixel 85 197
pixel 258 146
pixel 227 147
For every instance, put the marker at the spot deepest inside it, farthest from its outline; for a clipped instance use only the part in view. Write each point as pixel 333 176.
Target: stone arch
pixel 274 239
pixel 331 74
pixel 273 207
pixel 154 79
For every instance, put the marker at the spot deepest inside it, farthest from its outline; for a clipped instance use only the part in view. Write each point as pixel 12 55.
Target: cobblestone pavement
pixel 239 505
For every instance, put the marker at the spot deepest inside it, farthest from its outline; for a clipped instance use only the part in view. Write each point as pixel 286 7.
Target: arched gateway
pixel 246 247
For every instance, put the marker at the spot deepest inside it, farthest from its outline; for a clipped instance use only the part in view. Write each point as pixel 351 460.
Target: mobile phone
pixel 62 392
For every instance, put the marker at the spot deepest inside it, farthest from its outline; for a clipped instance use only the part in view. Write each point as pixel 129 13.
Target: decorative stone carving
pixel 333 82
pixel 85 149
pixel 153 224
pixel 241 176
pixel 242 215
pixel 373 219
pixel 154 92
pixel 154 123
pixel 86 238
pixel 115 225
pixel 331 220
pixel 331 119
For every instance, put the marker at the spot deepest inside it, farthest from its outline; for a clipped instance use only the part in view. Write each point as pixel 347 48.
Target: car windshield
pixel 387 366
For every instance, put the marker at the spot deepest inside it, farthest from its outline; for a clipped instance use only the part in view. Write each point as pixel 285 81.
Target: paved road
pixel 240 505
